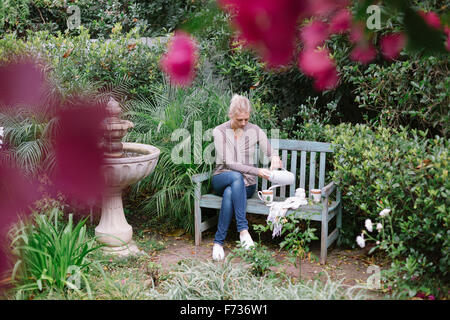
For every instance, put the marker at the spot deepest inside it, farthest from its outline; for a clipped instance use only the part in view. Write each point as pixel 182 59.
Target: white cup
pixel 317 194
pixel 266 196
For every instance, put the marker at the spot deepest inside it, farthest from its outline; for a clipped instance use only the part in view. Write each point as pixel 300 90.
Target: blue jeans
pixel 230 185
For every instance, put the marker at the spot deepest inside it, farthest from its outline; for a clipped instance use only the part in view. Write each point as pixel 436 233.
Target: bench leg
pixel 339 214
pixel 323 243
pixel 324 232
pixel 198 232
pixel 197 217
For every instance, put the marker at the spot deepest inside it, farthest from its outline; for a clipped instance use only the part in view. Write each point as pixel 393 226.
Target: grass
pixel 197 280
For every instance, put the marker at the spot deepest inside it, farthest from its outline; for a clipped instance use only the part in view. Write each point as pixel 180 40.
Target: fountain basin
pixel 121 172
pixel 113 229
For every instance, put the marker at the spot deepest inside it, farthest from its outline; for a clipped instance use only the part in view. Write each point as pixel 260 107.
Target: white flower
pixel 360 241
pixel 379 227
pixel 369 225
pixel 378 242
pixel 385 212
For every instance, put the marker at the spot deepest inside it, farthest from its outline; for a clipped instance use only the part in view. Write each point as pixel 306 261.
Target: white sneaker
pixel 218 254
pixel 246 241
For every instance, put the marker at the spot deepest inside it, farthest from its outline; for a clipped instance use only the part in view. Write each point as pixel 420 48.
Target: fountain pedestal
pixel 119 171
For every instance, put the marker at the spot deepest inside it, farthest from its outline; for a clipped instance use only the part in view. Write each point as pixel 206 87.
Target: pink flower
pixel 363 53
pixel 268 26
pixel 447 32
pixel 78 154
pixel 327 80
pixel 22 82
pixel 356 32
pixel 341 22
pixel 431 18
pixel 392 45
pixel 325 7
pixel 420 295
pixel 180 60
pixel 314 34
pixel 17 192
pixel 319 65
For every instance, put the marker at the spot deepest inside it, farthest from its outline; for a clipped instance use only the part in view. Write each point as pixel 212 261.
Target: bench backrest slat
pixel 294 171
pixel 284 159
pixel 312 170
pixel 294 154
pixel 284 144
pixel 303 169
pixel 322 170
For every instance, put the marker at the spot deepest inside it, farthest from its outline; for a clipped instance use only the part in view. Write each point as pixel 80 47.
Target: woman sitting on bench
pixel 234 177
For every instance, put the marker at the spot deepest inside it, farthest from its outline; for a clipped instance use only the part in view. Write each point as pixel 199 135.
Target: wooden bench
pixel 294 154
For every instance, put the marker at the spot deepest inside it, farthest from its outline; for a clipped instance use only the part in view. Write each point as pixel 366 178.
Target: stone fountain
pixel 125 163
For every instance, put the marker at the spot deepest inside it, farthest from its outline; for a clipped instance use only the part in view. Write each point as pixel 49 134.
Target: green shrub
pixel 50 255
pixel 78 64
pixel 259 258
pixel 412 92
pixel 404 171
pixel 155 17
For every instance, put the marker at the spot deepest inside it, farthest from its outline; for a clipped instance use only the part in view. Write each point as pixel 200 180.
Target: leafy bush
pixel 406 172
pixel 259 258
pixel 412 92
pixel 79 64
pixel 50 254
pixel 154 17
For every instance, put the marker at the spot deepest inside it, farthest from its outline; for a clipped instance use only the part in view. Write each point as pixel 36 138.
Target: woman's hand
pixel 264 173
pixel 276 163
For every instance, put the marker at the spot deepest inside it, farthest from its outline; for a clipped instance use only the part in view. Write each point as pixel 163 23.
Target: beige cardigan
pixel 237 154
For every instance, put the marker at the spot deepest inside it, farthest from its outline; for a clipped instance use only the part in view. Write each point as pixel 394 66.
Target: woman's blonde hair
pixel 239 104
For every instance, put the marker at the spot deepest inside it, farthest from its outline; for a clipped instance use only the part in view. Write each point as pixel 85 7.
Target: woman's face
pixel 239 120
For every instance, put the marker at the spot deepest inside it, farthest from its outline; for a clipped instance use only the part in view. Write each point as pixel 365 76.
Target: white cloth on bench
pixel 278 211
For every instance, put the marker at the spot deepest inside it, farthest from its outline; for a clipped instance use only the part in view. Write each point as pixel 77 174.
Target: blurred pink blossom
pixel 314 34
pixel 447 32
pixel 431 18
pixel 356 32
pixel 325 7
pixel 268 26
pixel 78 152
pixel 363 53
pixel 341 22
pixel 22 82
pixel 392 44
pixel 319 65
pixel 17 193
pixel 180 60
pixel 327 80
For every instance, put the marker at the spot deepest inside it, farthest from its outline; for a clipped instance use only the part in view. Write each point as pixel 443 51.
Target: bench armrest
pixel 328 189
pixel 200 177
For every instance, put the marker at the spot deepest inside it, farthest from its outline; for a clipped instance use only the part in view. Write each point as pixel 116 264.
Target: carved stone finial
pixel 115 130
